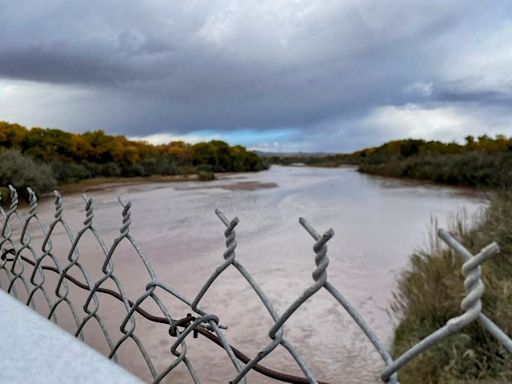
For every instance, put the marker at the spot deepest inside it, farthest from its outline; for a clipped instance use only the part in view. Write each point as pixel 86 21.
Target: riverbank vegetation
pixel 43 158
pixel 479 162
pixel 430 291
pixel 482 162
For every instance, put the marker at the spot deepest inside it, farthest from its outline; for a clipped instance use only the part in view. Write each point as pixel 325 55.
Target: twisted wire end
pixel 229 233
pixel 14 197
pixel 309 228
pixel 32 198
pixel 58 205
pixel 222 217
pixel 321 259
pixel 473 286
pixel 230 225
pixel 89 210
pixel 125 228
pixel 320 249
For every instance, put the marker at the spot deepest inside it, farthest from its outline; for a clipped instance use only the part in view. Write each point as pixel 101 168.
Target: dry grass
pixel 429 293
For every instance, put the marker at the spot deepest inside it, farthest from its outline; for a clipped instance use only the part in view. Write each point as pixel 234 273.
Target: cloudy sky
pixel 272 75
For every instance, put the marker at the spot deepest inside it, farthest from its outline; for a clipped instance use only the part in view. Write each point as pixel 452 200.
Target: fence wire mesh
pixel 43 280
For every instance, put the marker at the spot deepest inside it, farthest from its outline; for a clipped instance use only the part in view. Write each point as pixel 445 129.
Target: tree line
pixel 478 162
pixel 43 158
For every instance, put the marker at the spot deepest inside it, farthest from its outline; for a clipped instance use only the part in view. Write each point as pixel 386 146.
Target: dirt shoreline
pixel 104 183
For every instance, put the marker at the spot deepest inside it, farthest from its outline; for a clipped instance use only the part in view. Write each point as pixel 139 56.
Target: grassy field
pixel 429 293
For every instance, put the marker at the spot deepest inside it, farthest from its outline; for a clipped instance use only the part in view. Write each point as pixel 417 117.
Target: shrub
pixel 69 172
pixel 429 293
pixel 110 169
pixel 205 175
pixel 23 172
pixel 132 170
pixel 473 169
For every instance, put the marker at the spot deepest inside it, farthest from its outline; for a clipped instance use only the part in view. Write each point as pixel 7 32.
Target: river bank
pixel 105 183
pixel 108 183
pixel 429 293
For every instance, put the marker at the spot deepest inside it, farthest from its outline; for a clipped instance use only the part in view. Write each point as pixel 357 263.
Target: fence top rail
pixel 34 349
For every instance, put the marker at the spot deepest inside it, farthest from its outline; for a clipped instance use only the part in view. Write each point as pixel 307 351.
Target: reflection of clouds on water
pixel 378 222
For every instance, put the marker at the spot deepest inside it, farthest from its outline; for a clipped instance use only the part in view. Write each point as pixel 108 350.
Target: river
pixel 377 221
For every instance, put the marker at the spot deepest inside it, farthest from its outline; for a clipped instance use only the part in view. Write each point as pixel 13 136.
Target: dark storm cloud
pixel 466 91
pixel 178 67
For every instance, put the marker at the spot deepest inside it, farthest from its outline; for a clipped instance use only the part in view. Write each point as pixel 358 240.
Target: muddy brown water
pixel 378 223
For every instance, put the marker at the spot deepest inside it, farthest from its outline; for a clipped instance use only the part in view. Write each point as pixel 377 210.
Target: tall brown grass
pixel 429 293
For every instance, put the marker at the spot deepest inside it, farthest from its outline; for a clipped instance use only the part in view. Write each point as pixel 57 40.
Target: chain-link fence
pixel 36 275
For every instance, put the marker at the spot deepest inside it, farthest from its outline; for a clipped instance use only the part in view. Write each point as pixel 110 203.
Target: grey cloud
pixel 471 90
pixel 225 65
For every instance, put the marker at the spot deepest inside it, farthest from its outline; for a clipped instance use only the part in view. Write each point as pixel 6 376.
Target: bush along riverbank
pixel 429 293
pixel 483 162
pixel 472 169
pixel 480 162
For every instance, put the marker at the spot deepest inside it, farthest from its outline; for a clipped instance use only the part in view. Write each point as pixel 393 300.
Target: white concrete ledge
pixel 34 350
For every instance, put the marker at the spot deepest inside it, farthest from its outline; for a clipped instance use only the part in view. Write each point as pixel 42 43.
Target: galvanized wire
pixel 25 267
